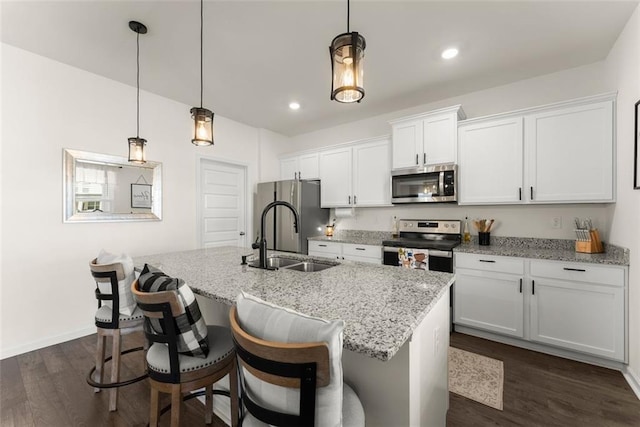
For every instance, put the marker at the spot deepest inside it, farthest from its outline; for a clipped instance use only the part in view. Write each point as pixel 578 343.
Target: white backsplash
pixel 517 221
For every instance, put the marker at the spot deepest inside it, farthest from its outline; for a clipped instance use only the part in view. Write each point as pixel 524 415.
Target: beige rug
pixel 476 377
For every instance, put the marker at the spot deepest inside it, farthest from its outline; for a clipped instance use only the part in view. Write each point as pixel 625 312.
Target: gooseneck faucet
pixel 263 241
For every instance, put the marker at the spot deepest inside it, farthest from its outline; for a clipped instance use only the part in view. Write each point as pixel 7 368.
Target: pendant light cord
pixel 138 84
pixel 201 50
pixel 348 16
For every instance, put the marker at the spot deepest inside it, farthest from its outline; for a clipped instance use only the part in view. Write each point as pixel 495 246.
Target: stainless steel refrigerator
pixel 279 232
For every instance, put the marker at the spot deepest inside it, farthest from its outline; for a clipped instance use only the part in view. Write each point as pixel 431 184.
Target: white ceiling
pixel 261 55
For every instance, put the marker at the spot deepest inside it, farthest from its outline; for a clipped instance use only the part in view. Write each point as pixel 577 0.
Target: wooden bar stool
pixel 174 373
pixel 111 323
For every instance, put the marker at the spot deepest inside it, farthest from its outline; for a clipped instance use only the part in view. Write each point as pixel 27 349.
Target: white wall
pixel 46 288
pixel 623 74
pixel 270 146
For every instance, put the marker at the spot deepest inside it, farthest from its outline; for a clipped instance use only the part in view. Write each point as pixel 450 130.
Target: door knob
pixel 242 233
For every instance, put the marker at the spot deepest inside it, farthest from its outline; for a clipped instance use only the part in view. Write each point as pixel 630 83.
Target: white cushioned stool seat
pixel 352 411
pixel 104 315
pixel 220 346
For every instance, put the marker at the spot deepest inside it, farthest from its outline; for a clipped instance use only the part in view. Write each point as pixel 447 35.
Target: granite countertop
pixel 522 247
pixel 548 249
pixel 380 305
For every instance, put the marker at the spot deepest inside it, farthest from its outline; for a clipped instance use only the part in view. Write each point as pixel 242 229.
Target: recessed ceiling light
pixel 450 53
pixel 294 106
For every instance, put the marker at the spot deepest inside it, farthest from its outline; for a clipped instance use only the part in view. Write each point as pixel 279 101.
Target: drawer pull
pixel 360 249
pixel 574 269
pixel 486 260
pixel 323 246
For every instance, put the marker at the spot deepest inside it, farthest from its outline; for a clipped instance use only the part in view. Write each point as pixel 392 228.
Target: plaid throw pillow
pixel 190 326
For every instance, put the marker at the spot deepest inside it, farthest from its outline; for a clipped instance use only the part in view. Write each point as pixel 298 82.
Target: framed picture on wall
pixel 141 196
pixel 636 154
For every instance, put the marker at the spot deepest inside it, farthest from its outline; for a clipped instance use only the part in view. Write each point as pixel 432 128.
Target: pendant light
pixel 202 118
pixel 137 144
pixel 347 55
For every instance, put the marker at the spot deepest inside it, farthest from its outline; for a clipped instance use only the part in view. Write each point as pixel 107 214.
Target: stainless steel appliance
pixel 279 230
pixel 436 183
pixel 430 243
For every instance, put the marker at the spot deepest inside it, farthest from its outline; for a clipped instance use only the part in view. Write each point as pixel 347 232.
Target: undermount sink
pixel 276 262
pixel 309 266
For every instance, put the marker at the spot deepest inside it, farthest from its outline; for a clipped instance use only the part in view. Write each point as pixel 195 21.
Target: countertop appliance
pixel 424 184
pixel 304 195
pixel 429 242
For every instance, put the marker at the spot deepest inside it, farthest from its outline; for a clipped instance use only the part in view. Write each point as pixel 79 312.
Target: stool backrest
pixel 108 273
pixel 294 365
pixel 164 307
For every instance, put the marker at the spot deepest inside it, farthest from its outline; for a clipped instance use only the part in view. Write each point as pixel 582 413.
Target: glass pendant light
pixel 202 118
pixel 137 144
pixel 347 56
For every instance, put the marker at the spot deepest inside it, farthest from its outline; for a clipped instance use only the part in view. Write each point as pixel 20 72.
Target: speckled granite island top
pixel 380 305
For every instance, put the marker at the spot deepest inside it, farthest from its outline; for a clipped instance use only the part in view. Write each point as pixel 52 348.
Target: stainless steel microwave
pixel 425 184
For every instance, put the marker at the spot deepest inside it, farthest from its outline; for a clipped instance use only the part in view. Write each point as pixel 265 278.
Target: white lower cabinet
pixel 488 293
pixel 574 306
pixel 347 251
pixel 576 313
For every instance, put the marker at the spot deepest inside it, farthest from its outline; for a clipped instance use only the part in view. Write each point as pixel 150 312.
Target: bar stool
pixel 111 323
pixel 174 373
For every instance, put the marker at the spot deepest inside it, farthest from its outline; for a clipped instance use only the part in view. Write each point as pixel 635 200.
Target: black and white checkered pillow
pixel 190 326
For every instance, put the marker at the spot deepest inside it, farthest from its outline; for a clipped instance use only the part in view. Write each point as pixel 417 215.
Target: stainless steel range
pixel 424 244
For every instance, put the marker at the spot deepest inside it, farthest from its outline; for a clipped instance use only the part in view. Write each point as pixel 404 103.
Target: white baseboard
pixel 633 379
pixel 35 345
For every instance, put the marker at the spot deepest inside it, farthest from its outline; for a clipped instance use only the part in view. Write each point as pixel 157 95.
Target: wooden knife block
pixel 592 246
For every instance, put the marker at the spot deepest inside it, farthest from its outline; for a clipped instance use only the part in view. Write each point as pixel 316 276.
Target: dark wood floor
pixel 543 390
pixel 47 388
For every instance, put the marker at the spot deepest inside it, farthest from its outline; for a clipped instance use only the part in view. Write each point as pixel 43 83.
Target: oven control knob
pixel 446 226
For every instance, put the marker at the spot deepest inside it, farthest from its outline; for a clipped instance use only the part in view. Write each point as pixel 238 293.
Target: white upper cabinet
pixel 356 175
pixel 570 154
pixel 490 162
pixel 302 166
pixel 426 139
pixel 336 170
pixel 561 153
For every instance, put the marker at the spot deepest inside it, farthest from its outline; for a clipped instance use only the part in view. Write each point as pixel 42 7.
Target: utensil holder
pixel 484 238
pixel 591 246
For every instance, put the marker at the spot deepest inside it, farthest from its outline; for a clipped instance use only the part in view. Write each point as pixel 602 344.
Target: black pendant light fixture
pixel 202 118
pixel 347 55
pixel 137 144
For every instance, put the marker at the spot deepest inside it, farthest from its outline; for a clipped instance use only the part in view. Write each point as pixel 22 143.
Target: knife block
pixel 592 246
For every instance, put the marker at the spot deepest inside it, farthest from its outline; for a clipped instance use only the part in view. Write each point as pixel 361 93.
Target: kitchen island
pixel 396 331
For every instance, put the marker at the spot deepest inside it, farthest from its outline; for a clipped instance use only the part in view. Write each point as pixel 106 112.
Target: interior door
pixel 222 204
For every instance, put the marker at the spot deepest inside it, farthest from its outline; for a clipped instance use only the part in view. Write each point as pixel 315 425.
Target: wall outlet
pixel 556 222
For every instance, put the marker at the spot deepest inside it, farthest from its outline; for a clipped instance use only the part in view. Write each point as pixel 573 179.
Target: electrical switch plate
pixel 556 222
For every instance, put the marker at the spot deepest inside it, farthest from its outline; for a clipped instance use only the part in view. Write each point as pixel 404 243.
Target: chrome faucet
pixel 263 241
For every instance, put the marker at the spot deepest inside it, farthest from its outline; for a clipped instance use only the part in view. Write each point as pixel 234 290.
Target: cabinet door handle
pixel 531 192
pixel 416 159
pixel 486 260
pixel 360 249
pixel 533 287
pixel 521 285
pixel 574 269
pixel 354 199
pixel 299 175
pixel 349 199
pixel 519 193
pixel 424 156
pixel 323 246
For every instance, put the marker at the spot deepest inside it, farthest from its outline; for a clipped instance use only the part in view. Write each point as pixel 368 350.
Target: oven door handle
pixel 390 249
pixel 442 254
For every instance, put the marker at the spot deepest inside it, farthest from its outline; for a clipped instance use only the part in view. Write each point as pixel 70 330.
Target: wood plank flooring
pixel 47 388
pixel 543 390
